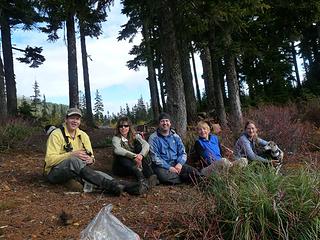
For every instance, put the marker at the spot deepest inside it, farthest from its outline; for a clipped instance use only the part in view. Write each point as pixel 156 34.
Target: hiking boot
pixel 113 187
pixel 153 181
pixel 134 188
pixel 94 177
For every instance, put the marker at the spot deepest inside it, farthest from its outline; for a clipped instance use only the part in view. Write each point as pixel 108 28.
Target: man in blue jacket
pixel 168 155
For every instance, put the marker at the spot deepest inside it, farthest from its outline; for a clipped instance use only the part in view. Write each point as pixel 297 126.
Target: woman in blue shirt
pixel 208 150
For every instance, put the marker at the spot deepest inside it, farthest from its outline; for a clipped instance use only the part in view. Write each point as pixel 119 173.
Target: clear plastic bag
pixel 105 226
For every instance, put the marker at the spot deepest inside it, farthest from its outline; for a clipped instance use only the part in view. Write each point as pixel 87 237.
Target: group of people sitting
pixel 160 160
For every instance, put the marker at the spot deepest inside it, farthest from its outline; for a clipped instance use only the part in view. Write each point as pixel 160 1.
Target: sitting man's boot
pixel 133 188
pixel 111 186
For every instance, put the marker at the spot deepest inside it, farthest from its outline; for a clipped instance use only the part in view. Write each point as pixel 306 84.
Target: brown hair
pixel 246 125
pixel 131 134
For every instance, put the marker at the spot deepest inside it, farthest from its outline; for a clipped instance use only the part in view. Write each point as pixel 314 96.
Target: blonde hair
pixel 203 124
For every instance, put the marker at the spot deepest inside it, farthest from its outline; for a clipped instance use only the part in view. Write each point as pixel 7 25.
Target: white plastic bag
pixel 105 226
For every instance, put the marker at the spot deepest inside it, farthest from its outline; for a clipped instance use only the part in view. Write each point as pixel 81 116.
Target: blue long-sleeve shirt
pixel 247 148
pixel 167 151
pixel 208 150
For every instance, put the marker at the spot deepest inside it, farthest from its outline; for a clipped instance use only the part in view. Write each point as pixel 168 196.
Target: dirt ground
pixel 32 208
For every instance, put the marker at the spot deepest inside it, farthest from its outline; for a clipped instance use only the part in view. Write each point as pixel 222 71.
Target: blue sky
pixel 108 72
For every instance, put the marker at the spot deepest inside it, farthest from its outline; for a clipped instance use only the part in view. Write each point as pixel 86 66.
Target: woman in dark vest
pixel 131 154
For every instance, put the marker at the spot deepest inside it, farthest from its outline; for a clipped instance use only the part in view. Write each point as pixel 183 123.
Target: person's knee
pixel 75 164
pixel 165 176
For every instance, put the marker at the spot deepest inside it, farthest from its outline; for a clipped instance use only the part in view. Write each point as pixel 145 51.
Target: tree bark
pixel 72 61
pixel 86 79
pixel 208 77
pixel 234 95
pixel 220 109
pixel 186 73
pixel 154 93
pixel 162 83
pixel 3 102
pixel 176 102
pixel 196 77
pixel 296 69
pixel 11 89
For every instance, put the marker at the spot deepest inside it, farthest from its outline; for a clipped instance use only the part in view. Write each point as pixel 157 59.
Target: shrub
pixel 255 203
pixel 14 132
pixel 310 111
pixel 282 125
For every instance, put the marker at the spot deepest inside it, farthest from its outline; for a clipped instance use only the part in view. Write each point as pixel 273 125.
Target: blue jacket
pixel 247 148
pixel 167 151
pixel 208 150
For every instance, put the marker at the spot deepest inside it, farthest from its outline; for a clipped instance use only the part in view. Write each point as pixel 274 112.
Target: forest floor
pixel 31 207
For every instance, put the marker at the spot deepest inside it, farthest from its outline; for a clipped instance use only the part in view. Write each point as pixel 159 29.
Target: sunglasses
pixel 122 126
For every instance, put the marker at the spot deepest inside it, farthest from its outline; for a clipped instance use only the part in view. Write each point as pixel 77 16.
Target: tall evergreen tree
pixel 13 13
pixel 98 108
pixel 35 99
pixel 25 109
pixel 44 109
pixel 3 102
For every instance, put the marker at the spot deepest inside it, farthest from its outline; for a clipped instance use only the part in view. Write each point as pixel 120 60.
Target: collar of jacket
pixel 204 139
pixel 171 132
pixel 68 134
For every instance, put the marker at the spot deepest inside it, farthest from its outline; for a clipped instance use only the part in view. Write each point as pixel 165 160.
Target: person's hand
pixel 174 170
pixel 89 160
pixel 138 160
pixel 81 154
pixel 178 167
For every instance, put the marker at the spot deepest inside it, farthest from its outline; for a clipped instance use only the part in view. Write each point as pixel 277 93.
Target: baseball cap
pixel 73 111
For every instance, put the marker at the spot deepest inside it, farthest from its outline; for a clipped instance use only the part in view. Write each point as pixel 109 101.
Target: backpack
pixel 50 128
pixel 68 147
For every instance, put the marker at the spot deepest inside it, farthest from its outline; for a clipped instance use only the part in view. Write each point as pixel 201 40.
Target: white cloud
pixel 107 68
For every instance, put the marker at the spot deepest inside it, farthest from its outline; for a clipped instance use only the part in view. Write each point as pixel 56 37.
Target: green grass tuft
pixel 255 203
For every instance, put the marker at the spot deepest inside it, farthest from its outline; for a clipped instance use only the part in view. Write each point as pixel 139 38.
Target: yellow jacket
pixel 56 153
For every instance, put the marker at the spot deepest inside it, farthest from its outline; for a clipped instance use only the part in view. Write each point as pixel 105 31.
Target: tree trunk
pixel 208 77
pixel 176 102
pixel 154 94
pixel 296 69
pixel 190 97
pixel 234 95
pixel 196 77
pixel 222 73
pixel 72 62
pixel 11 89
pixel 161 80
pixel 3 102
pixel 220 109
pixel 86 80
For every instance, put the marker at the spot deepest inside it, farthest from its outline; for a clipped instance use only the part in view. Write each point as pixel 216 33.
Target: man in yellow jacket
pixel 69 156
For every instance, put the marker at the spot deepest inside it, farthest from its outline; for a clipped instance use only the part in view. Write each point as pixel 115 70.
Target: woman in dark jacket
pixel 131 154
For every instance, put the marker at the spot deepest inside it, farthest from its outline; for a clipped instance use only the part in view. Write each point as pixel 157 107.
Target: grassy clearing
pixel 255 203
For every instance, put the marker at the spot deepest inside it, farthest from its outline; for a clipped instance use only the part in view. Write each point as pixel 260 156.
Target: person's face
pixel 73 122
pixel 164 125
pixel 124 128
pixel 203 132
pixel 251 130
